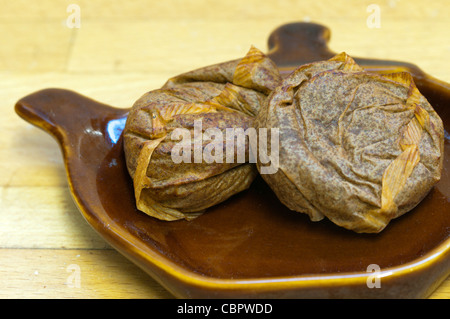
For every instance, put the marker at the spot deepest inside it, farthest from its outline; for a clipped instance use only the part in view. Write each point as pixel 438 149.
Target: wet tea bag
pixel 175 138
pixel 356 147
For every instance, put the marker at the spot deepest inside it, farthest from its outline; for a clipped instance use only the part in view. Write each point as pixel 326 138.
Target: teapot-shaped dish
pixel 250 245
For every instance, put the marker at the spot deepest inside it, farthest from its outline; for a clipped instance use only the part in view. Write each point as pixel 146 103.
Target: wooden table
pixel 120 51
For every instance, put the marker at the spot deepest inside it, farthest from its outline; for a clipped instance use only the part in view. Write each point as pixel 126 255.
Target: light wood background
pixel 121 50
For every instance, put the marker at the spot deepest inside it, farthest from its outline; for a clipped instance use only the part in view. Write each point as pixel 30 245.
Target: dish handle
pixel 66 115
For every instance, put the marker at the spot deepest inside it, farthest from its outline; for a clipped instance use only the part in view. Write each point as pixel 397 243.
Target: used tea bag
pixel 176 117
pixel 356 147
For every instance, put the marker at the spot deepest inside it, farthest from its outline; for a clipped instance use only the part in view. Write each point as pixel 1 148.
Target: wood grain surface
pixel 120 50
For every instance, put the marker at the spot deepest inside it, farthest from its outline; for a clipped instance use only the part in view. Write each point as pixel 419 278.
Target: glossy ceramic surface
pixel 250 245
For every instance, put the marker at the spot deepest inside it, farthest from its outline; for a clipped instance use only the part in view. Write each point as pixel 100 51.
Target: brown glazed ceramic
pixel 250 245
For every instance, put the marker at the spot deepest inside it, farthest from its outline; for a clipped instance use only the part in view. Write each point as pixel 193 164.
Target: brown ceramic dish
pixel 250 245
